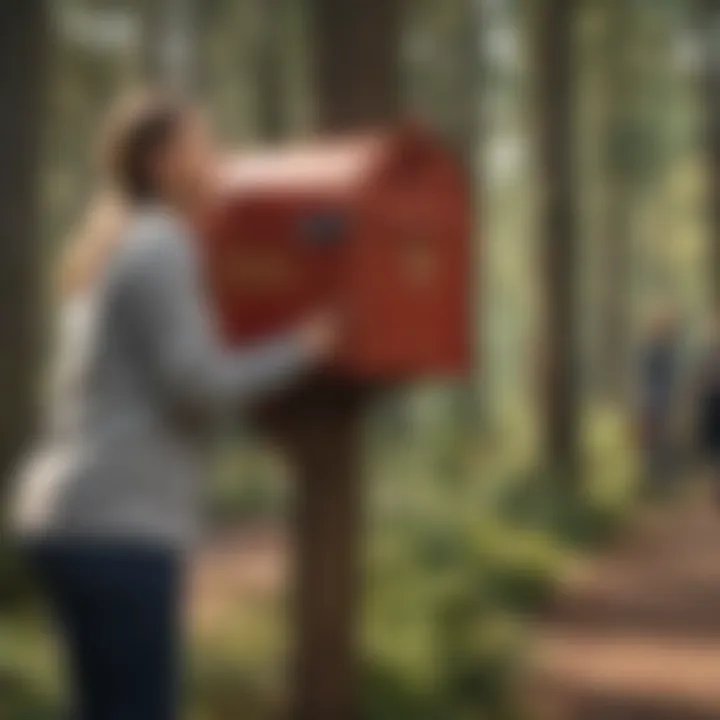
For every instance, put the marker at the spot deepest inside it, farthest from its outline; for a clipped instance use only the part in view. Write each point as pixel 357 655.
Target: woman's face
pixel 188 164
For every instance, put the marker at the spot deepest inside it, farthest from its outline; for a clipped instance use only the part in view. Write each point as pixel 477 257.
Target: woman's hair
pixel 137 129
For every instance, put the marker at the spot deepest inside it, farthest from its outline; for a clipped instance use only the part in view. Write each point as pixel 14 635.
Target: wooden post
pixel 319 427
pixel 356 46
pixel 325 444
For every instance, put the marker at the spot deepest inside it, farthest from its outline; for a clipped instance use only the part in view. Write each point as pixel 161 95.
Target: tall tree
pixel 710 34
pixel 619 193
pixel 555 26
pixel 24 35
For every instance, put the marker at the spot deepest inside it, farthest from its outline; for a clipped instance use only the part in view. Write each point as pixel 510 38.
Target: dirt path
pixel 636 634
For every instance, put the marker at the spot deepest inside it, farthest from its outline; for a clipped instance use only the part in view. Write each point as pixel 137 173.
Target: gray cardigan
pixel 135 359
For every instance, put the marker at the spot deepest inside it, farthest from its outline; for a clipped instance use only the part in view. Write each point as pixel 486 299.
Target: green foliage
pixel 589 517
pixel 249 482
pixel 451 578
pixel 28 671
pixel 238 674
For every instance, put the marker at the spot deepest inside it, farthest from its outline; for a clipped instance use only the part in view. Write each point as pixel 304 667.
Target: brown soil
pixel 635 635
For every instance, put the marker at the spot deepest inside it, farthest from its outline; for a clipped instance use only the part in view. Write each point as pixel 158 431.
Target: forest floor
pixel 236 571
pixel 635 634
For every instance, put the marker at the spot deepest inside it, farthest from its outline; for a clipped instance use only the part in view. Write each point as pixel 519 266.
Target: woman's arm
pixel 175 333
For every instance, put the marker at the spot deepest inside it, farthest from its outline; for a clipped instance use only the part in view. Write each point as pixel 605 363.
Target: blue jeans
pixel 117 611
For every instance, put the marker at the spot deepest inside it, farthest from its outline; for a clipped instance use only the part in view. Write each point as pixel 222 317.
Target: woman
pixel 108 500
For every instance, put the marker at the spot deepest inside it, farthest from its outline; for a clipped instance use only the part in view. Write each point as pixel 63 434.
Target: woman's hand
pixel 320 335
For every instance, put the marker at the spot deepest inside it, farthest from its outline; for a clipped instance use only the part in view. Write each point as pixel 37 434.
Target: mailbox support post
pixel 325 438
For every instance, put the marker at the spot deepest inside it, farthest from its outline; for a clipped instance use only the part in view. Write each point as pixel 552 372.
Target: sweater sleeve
pixel 184 358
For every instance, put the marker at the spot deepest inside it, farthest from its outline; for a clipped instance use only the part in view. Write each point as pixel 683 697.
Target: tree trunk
pixel 357 82
pixel 623 132
pixel 616 279
pixel 357 69
pixel 555 38
pixel 326 446
pixel 710 30
pixel 24 29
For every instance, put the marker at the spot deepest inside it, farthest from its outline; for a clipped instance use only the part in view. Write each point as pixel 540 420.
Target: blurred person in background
pixel 707 400
pixel 107 501
pixel 659 382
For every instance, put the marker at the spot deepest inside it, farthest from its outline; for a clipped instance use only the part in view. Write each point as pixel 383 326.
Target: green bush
pixel 28 671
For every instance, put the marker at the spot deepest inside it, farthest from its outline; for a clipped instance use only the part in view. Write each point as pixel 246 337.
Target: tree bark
pixel 710 31
pixel 24 34
pixel 357 69
pixel 618 198
pixel 357 84
pixel 559 234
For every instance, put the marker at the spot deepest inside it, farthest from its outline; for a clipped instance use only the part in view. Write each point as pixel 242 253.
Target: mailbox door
pixel 273 259
pixel 411 278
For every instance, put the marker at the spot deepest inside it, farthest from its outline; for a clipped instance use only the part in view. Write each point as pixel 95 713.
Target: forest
pixel 591 133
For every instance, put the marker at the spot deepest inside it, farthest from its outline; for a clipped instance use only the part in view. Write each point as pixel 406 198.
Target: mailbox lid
pixel 319 168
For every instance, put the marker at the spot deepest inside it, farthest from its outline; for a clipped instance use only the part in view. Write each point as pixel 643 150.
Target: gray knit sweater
pixel 135 359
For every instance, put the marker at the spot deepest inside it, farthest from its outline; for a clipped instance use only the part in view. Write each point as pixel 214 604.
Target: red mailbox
pixel 377 226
